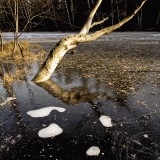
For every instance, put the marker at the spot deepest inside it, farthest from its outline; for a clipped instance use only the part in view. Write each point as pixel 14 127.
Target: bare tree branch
pixel 87 25
pixel 69 42
pixel 100 22
pixel 109 29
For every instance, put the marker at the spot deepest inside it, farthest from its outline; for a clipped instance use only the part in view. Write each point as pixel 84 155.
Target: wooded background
pixel 69 15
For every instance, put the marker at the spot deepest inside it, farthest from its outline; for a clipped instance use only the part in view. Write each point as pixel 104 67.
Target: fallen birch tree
pixel 71 41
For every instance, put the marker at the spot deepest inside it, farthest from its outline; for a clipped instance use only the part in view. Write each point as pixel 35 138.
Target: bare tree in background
pixel 158 18
pixel 1 37
pixel 139 18
pixel 70 42
pixel 1 41
pixel 16 25
pixel 72 12
pixel 21 14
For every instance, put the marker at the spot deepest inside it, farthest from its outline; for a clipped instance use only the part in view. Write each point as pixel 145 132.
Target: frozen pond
pixel 54 36
pixel 102 103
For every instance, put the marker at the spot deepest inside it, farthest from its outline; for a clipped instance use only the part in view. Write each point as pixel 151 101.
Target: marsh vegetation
pixel 13 64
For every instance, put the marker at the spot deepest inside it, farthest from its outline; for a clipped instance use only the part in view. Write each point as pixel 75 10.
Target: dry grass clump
pixel 8 78
pixel 25 47
pixel 8 49
pixel 29 57
pixel 4 54
pixel 18 75
pixel 8 46
pixel 18 60
pixel 35 46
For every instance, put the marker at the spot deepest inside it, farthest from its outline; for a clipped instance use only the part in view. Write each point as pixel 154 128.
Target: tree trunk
pixel 16 25
pixel 158 19
pixel 1 40
pixel 68 14
pixel 112 11
pixel 1 71
pixel 72 12
pixel 69 42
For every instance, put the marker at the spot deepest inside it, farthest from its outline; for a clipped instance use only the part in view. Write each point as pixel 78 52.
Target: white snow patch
pixel 51 131
pixel 44 111
pixel 145 135
pixel 106 121
pixel 93 151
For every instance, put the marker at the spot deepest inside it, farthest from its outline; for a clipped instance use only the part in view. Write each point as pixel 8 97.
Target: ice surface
pixel 106 121
pixel 93 151
pixel 51 131
pixel 40 36
pixel 43 112
pixel 37 36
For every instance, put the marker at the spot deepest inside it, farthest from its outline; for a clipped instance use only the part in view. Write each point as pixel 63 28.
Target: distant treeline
pixel 69 15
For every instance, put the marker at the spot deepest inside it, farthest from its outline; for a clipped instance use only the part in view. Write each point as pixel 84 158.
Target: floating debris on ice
pixel 9 141
pixel 51 131
pixel 43 112
pixel 93 151
pixel 7 100
pixel 106 121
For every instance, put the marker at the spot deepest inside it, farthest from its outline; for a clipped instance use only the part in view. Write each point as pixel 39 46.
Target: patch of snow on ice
pixel 145 135
pixel 51 131
pixel 93 151
pixel 106 121
pixel 43 112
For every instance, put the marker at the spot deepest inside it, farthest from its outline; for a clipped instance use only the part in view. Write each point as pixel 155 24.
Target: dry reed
pixel 18 60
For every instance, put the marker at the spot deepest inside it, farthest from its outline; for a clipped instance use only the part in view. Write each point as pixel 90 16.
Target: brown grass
pixel 8 78
pixel 35 46
pixel 18 75
pixel 8 46
pixel 26 48
pixel 18 72
pixel 29 57
pixel 3 55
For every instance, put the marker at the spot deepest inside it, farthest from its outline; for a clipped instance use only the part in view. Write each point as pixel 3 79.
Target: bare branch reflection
pixel 73 96
pixel 83 94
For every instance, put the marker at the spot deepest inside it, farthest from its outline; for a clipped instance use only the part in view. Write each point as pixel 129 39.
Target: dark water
pixel 118 76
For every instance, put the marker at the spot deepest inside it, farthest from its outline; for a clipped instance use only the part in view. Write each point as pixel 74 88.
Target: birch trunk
pixel 69 42
pixel 16 23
